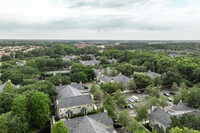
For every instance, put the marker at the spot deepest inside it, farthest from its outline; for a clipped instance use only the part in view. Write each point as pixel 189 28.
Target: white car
pixel 135 98
pixel 131 100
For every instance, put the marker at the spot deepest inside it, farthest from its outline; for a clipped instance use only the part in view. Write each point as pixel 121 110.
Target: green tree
pixel 6 58
pixel 186 120
pixel 40 110
pixel 113 73
pixel 163 101
pixel 59 127
pixel 108 101
pixel 142 80
pixel 117 94
pixel 98 94
pixel 78 77
pixel 3 123
pixel 170 77
pixel 152 101
pixel 65 80
pixel 184 130
pixel 121 101
pixel 121 85
pixel 16 125
pixel 93 88
pixel 142 112
pixel 175 86
pixel 19 115
pixel 153 91
pixel 124 118
pixel 132 85
pixel 134 126
pixel 109 87
pixel 126 69
pixel 9 87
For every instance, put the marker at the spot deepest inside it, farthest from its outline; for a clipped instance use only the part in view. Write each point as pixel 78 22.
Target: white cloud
pixel 105 19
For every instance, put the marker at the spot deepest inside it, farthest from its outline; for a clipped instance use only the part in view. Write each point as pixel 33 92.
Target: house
pixel 2 87
pixel 159 118
pixel 21 63
pixel 95 123
pixel 119 78
pixel 72 100
pixel 153 75
pixel 68 57
pixel 112 61
pixel 90 62
pixel 107 71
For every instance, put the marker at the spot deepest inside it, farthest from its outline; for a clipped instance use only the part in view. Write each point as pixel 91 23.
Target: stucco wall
pixel 75 109
pixel 153 122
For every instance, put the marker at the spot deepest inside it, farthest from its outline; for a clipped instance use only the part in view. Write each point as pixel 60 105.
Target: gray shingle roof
pixel 109 71
pixel 181 108
pixel 65 91
pixel 70 57
pixel 89 62
pixel 78 86
pixel 74 101
pixel 161 116
pixel 112 60
pixel 153 75
pixel 2 87
pixel 117 78
pixel 96 123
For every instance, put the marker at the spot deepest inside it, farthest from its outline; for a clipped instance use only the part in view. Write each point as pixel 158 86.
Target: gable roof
pixel 161 116
pixel 74 101
pixel 96 123
pixel 68 57
pixel 77 86
pixel 65 91
pixel 109 71
pixel 153 75
pixel 89 62
pixel 181 108
pixel 112 60
pixel 2 87
pixel 117 78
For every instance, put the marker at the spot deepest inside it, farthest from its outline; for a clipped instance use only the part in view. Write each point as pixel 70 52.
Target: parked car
pixel 131 100
pixel 135 98
pixel 166 94
pixel 169 99
pixel 172 93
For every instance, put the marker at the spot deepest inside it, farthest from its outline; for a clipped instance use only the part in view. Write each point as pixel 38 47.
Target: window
pixel 78 107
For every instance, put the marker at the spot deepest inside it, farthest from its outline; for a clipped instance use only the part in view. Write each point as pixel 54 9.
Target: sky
pixel 100 19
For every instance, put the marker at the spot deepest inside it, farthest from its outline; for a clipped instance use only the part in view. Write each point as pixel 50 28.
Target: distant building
pixel 158 118
pixel 112 61
pixel 68 57
pixel 107 71
pixel 83 45
pixel 119 78
pixel 95 123
pixel 153 75
pixel 72 100
pixel 90 62
pixel 21 63
pixel 2 87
